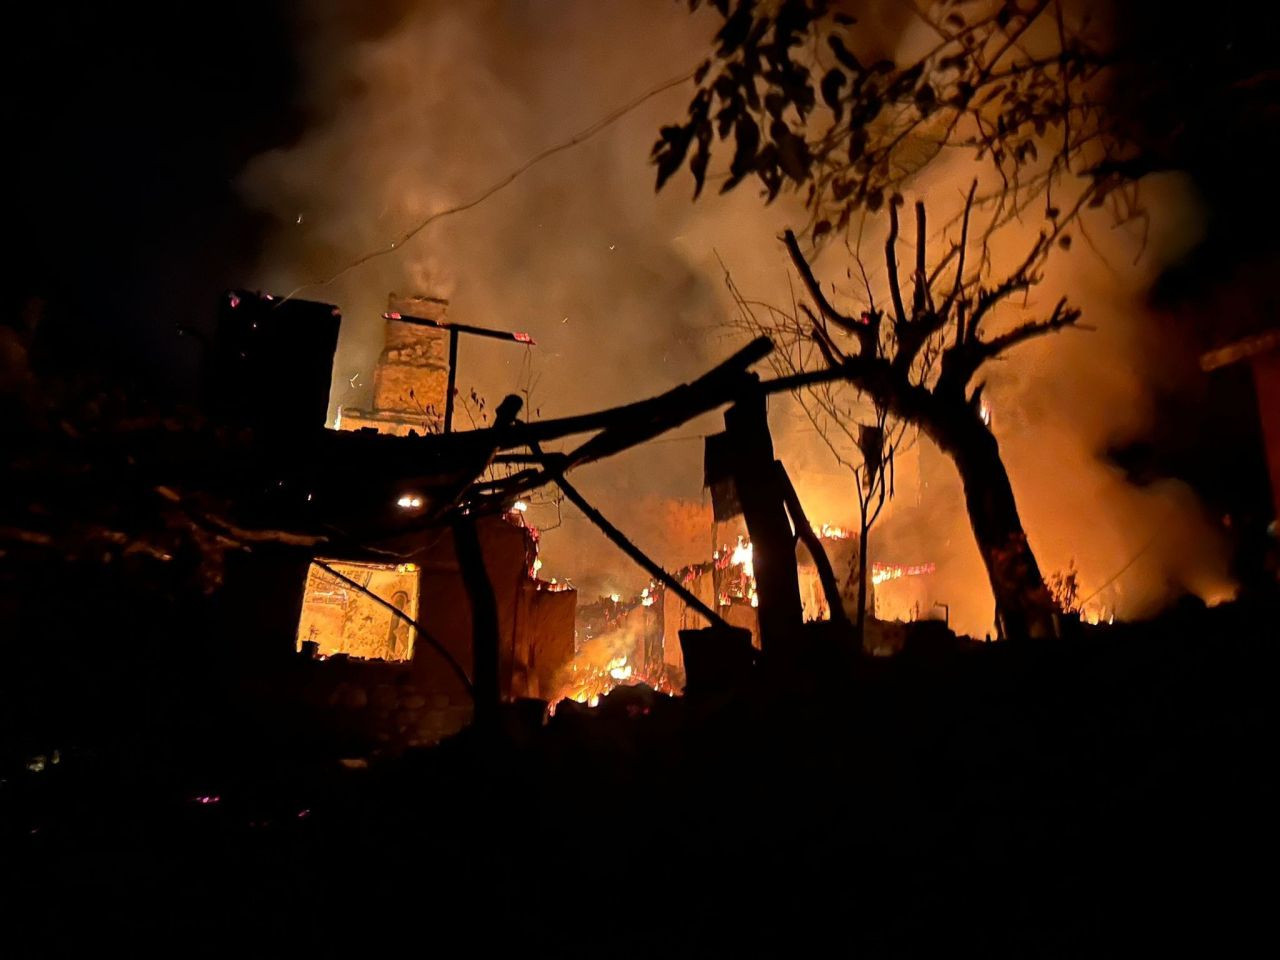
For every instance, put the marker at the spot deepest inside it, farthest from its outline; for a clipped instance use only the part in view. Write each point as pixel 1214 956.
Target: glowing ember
pixel 408 501
pixel 880 572
pixel 829 531
pixel 520 506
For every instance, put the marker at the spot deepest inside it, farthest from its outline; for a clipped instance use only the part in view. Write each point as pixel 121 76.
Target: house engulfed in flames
pixel 354 618
pixel 353 625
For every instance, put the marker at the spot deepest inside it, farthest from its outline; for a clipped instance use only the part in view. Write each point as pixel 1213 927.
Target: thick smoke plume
pixel 624 294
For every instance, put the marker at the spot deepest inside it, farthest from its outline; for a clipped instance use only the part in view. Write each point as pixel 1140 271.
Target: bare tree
pixel 861 436
pixel 873 485
pixel 916 359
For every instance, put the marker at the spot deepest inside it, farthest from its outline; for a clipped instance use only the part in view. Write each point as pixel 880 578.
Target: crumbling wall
pixel 677 615
pixel 549 627
pixel 535 625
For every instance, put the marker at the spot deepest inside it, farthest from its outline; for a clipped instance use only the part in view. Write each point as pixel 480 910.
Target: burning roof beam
pixel 454 330
pixel 508 335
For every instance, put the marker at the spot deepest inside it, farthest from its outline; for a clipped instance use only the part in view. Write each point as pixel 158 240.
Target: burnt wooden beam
pixel 513 336
pixel 713 388
pixel 780 611
pixel 813 543
pixel 626 427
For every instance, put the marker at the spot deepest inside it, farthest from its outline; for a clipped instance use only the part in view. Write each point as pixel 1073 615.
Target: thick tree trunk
pixel 1024 607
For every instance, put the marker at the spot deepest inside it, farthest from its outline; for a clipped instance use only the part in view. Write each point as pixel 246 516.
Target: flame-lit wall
pixel 338 618
pixel 535 628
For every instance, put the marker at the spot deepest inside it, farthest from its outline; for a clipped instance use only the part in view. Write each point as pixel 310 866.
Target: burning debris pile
pixel 635 640
pixel 615 658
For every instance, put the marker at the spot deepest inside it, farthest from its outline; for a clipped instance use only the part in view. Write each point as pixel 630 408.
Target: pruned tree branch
pixel 891 263
pixel 865 332
pixel 958 285
pixel 1062 316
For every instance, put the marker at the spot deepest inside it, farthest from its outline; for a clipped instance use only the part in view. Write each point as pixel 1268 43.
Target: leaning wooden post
pixel 809 537
pixel 763 505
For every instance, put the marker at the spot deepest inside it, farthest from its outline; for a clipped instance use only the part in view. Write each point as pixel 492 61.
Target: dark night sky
pixel 126 130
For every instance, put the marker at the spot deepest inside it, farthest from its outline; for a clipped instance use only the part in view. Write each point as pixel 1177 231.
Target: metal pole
pixel 453 381
pixel 946 613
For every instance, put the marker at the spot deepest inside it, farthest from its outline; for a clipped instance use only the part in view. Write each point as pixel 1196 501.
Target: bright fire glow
pixel 592 675
pixel 829 531
pixel 520 506
pixel 409 501
pixel 880 572
pixel 586 681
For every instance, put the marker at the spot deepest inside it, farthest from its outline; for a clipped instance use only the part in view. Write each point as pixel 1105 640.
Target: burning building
pixel 356 617
pixel 388 609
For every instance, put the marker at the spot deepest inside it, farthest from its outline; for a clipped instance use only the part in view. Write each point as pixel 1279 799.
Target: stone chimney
pixel 410 381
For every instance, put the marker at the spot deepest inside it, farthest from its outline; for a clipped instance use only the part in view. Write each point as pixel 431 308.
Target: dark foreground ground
pixel 1108 795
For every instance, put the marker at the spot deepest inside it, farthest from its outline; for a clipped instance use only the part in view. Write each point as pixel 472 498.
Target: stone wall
pixel 386 705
